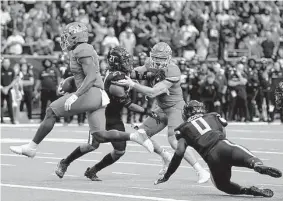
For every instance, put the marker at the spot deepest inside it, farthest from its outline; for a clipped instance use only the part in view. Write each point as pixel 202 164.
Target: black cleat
pixel 268 171
pixel 61 169
pixel 260 192
pixel 91 175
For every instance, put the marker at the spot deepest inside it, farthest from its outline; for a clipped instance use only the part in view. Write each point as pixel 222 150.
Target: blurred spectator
pixel 47 82
pixel 44 45
pixel 268 46
pixel 28 83
pixel 237 81
pixel 15 43
pixel 209 94
pixel 110 41
pixel 100 30
pixel 128 40
pixel 221 80
pixel 8 80
pixel 17 93
pixel 202 45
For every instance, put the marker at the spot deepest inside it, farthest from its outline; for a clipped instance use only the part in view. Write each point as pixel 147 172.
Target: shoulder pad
pixel 84 50
pixel 221 120
pixel 173 73
pixel 118 76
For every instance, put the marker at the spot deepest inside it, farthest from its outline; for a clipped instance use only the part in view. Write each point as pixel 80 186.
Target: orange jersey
pixel 84 50
pixel 172 74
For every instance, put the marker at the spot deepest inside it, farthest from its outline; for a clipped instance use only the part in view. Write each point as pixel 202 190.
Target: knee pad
pixel 116 154
pixel 85 148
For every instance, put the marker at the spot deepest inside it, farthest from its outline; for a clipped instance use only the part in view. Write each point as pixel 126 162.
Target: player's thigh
pixel 239 155
pixel 119 146
pixel 90 101
pixel 174 115
pixel 115 126
pixel 96 120
pixel 151 126
pixel 220 174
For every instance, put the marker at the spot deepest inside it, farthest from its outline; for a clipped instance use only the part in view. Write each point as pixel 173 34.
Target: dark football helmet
pixel 279 95
pixel 192 108
pixel 119 59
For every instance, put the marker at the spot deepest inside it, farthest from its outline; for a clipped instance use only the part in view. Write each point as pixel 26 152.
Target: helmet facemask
pixel 159 62
pixel 64 43
pixel 160 55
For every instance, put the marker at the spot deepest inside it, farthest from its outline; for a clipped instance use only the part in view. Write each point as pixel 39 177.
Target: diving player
pixel 168 93
pixel 90 96
pixel 205 132
pixel 120 65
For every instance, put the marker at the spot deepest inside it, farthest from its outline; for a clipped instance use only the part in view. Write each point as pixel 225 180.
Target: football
pixel 69 85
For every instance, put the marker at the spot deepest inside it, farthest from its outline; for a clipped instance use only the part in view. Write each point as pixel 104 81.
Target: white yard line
pixel 150 189
pixel 67 175
pixel 4 164
pixel 109 194
pixel 49 162
pixel 125 173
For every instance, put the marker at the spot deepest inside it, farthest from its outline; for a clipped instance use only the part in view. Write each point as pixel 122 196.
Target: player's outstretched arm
pixel 175 162
pixel 158 89
pixel 120 93
pixel 141 73
pixel 90 69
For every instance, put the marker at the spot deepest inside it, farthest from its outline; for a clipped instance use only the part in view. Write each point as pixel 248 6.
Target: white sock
pixel 32 145
pixel 197 167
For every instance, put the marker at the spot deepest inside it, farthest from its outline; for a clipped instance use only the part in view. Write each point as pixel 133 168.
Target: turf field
pixel 132 177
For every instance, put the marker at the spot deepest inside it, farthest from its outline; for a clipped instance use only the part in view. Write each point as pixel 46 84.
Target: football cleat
pixel 141 138
pixel 23 150
pixel 260 192
pixel 91 175
pixel 203 176
pixel 268 171
pixel 61 169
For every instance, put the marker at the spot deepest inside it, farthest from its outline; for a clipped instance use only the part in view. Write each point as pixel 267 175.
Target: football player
pixel 120 65
pixel 89 97
pixel 166 88
pixel 205 132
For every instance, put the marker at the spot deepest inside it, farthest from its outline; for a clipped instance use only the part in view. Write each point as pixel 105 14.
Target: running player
pixel 167 90
pixel 120 65
pixel 205 132
pixel 90 96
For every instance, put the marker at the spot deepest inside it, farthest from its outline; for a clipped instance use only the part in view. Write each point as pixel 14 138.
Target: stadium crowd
pixel 230 53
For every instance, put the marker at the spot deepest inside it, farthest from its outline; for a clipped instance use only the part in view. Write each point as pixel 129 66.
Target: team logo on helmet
pixel 192 108
pixel 73 34
pixel 119 59
pixel 160 55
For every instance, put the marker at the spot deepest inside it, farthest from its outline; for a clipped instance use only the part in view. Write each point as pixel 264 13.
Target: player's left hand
pixel 70 101
pixel 160 180
pixel 128 82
